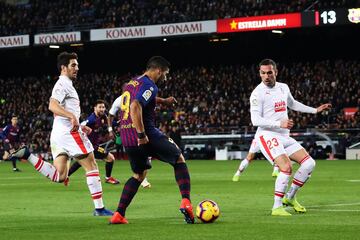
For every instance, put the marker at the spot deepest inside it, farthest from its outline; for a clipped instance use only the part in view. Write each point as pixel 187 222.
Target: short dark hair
pixel 158 62
pixel 14 116
pixel 268 61
pixel 99 101
pixel 63 59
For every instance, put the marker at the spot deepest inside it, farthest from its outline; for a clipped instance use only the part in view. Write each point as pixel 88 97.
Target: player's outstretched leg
pixel 40 165
pixel 300 178
pixel 74 167
pixel 130 189
pixel 243 165
pixel 109 163
pixel 182 177
pixel 13 160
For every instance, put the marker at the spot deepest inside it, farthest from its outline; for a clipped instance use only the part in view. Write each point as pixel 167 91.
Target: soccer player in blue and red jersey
pixel 11 140
pixel 142 139
pixel 97 122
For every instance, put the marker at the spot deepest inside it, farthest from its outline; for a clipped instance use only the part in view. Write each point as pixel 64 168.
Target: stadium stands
pixel 37 16
pixel 211 99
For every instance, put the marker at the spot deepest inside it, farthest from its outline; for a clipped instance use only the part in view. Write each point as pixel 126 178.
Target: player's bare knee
pixel 286 168
pixel 110 158
pixel 140 176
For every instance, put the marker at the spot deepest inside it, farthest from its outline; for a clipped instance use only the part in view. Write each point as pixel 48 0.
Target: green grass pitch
pixel 31 207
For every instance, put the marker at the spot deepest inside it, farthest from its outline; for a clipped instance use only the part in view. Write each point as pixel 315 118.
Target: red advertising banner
pixel 350 112
pixel 269 22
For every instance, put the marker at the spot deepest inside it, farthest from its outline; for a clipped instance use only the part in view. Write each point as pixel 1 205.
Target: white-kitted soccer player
pixel 68 139
pixel 268 107
pixel 254 148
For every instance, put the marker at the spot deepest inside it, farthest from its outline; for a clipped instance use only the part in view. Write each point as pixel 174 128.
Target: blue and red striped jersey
pixel 144 90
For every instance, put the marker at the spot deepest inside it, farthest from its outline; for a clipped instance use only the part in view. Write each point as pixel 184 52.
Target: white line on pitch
pixel 336 210
pixel 334 205
pixel 17 178
pixel 355 180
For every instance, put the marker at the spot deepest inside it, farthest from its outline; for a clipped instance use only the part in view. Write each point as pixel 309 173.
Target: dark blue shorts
pixel 163 149
pixel 100 153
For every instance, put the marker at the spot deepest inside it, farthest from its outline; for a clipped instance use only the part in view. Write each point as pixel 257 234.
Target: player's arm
pixel 256 105
pixel 87 125
pixel 298 106
pixel 115 107
pixel 57 109
pixel 166 101
pixel 137 119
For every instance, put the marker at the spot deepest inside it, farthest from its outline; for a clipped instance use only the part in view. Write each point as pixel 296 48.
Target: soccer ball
pixel 207 211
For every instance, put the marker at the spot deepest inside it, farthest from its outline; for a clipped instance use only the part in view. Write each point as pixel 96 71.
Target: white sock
pixel 276 168
pixel 94 183
pixel 301 176
pixel 243 165
pixel 44 168
pixel 280 188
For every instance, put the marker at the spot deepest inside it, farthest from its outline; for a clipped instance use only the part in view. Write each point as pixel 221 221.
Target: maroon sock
pixel 129 191
pixel 183 179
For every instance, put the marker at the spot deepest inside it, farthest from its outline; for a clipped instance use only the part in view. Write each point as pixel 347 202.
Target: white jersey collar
pixel 264 86
pixel 65 78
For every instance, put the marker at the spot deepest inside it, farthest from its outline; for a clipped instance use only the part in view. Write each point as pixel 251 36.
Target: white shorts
pixel 72 144
pixel 254 147
pixel 273 145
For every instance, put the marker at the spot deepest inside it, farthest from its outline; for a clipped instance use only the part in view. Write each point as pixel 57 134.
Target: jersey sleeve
pixel 90 121
pixel 256 105
pixel 59 91
pixel 298 106
pixel 146 94
pixel 115 107
pixel 4 132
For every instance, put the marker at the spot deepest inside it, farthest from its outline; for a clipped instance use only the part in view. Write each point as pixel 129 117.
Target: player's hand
pixel 142 141
pixel 75 123
pixel 287 123
pixel 86 130
pixel 170 101
pixel 323 107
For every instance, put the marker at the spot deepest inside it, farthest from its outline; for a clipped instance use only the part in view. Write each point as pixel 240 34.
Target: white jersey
pixel 115 107
pixel 268 106
pixel 62 139
pixel 65 93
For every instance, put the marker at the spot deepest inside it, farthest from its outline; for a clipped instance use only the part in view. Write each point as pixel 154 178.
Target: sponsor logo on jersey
pixel 280 106
pixel 147 94
pixel 254 102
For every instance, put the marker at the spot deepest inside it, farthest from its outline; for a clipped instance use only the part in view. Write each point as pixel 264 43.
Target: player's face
pixel 14 121
pixel 268 75
pixel 162 75
pixel 72 69
pixel 100 109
